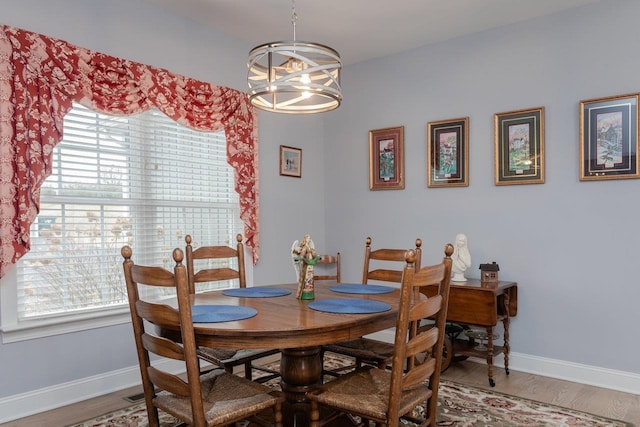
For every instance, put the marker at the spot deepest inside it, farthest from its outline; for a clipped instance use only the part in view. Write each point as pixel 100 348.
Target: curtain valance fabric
pixel 41 76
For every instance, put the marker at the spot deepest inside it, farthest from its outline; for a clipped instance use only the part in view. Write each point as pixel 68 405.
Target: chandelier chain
pixel 294 18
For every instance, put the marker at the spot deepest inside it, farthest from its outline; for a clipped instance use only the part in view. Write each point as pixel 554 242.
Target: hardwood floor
pixel 595 400
pixel 604 402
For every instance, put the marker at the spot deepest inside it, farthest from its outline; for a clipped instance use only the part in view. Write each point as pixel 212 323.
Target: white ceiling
pixel 361 29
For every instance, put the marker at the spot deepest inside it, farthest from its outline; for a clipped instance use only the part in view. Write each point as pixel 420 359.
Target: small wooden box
pixel 489 272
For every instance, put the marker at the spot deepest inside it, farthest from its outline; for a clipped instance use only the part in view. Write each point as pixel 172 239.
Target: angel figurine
pixel 304 257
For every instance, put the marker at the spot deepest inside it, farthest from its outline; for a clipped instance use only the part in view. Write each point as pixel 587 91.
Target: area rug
pixel 458 406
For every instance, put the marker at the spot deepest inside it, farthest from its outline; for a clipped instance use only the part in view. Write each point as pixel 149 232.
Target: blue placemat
pixel 257 292
pixel 220 313
pixel 352 306
pixel 362 289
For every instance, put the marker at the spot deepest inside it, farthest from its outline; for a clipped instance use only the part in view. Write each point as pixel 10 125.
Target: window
pixel 143 181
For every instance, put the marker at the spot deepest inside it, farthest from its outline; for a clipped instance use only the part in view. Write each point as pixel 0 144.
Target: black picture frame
pixel 448 153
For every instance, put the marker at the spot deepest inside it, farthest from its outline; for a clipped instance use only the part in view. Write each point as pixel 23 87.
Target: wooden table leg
pixel 505 323
pixel 300 371
pixel 492 382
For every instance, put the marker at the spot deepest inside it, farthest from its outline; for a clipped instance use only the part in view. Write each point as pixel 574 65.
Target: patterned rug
pixel 459 406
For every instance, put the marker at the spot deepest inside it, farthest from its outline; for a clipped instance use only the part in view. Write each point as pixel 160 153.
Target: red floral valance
pixel 41 76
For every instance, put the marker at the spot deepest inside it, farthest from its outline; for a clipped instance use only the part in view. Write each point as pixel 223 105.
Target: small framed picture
pixel 519 147
pixel 448 153
pixel 609 138
pixel 386 159
pixel 290 161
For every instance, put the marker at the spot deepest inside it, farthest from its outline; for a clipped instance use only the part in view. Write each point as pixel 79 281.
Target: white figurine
pixel 461 259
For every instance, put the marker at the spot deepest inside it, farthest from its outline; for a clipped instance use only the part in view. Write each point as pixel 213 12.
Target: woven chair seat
pixel 215 355
pixel 221 356
pixel 228 358
pixel 227 398
pixel 364 349
pixel 365 392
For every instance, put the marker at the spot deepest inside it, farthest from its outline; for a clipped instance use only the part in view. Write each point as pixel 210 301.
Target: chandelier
pixel 294 77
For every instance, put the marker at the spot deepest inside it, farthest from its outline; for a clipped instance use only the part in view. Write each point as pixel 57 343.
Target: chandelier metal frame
pixel 294 77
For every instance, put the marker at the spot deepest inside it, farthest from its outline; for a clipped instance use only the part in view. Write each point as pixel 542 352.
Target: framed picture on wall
pixel 290 161
pixel 519 147
pixel 609 138
pixel 448 153
pixel 386 159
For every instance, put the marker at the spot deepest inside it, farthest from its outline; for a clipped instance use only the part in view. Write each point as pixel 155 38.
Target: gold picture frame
pixel 609 138
pixel 519 147
pixel 386 158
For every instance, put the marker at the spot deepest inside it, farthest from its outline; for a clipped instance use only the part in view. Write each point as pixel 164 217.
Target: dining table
pixel 295 326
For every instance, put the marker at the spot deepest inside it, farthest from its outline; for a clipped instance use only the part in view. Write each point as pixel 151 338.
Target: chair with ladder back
pixel 213 399
pixel 382 265
pixel 382 395
pixel 217 264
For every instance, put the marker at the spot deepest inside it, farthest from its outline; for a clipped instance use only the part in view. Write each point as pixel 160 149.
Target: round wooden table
pixel 298 331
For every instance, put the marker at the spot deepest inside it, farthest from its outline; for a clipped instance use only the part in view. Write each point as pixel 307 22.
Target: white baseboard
pixel 26 404
pixel 33 402
pixel 627 382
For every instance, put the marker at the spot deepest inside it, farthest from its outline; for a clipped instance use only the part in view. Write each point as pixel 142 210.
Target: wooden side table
pixel 473 303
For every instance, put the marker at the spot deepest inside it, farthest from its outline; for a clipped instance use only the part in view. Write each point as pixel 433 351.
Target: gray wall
pixel 570 245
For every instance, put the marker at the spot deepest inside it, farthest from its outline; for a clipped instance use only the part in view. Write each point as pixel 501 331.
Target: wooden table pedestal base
pixel 301 370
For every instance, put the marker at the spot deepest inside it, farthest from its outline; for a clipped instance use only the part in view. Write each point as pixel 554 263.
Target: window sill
pixel 45 328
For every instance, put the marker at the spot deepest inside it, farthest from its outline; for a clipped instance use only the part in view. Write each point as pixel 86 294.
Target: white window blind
pixel 141 180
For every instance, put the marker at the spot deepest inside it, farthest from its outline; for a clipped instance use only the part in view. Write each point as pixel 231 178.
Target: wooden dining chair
pixel 215 398
pixel 219 267
pixel 328 264
pixel 382 395
pixel 382 265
